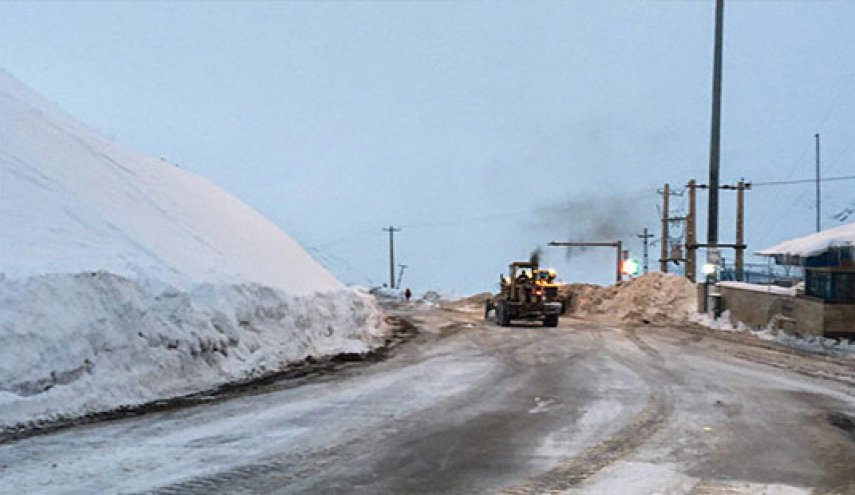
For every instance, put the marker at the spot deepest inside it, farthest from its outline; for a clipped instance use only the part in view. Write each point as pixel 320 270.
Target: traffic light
pixel 629 267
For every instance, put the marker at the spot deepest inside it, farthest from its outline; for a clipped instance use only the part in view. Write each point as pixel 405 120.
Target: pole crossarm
pixel 719 245
pixel 584 244
pixel 733 187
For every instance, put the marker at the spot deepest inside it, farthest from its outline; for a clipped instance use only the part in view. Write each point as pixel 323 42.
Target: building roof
pixel 814 244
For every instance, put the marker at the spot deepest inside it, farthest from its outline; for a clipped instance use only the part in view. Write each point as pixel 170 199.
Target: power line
pixel 842 152
pixel 833 105
pixel 802 181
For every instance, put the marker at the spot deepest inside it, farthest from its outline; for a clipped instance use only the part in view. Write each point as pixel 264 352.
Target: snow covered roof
pixel 75 201
pixel 814 244
pixel 772 289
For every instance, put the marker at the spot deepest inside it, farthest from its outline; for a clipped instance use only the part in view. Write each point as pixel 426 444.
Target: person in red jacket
pixel 408 294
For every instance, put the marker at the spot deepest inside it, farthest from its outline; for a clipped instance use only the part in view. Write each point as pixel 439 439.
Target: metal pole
pixel 715 134
pixel 401 273
pixel 740 229
pixel 691 235
pixel 392 231
pixel 663 260
pixel 619 277
pixel 818 196
pixel 645 235
pixel 391 257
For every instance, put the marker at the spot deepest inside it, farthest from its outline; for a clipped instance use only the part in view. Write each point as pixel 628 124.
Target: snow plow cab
pixel 527 293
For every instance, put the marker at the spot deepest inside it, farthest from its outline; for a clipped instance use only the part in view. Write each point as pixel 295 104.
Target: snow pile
pixel 428 299
pixel 652 298
pixel 809 343
pixel 74 201
pixel 814 244
pixel 435 298
pixel 386 295
pixel 125 279
pixel 73 344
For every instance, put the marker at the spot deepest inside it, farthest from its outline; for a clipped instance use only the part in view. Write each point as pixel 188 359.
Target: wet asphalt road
pixel 469 407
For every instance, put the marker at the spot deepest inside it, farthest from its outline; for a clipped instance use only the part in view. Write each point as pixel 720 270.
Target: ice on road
pixel 469 407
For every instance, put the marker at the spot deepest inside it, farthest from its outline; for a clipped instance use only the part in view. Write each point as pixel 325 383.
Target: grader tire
pixel 502 315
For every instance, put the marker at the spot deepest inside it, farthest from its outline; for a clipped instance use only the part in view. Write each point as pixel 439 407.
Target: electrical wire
pixel 801 181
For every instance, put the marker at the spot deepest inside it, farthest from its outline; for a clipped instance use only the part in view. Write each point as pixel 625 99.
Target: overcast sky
pixel 483 129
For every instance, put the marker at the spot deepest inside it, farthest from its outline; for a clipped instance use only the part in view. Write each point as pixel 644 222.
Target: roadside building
pixel 823 304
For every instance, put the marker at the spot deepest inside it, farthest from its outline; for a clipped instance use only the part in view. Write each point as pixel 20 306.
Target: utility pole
pixel 391 230
pixel 818 197
pixel 713 252
pixel 740 228
pixel 644 235
pixel 691 233
pixel 401 273
pixel 715 134
pixel 663 260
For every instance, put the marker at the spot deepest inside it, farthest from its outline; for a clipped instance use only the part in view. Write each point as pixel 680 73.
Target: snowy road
pixel 470 407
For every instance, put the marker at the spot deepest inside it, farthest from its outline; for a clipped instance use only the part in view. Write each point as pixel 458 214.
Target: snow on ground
pixel 810 343
pixel 125 279
pixel 772 289
pixel 651 298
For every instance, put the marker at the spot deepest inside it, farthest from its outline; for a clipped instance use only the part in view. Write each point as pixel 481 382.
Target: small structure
pixel 825 305
pixel 828 258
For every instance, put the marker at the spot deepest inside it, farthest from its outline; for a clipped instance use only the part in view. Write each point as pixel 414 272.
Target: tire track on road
pixel 576 470
pixel 637 432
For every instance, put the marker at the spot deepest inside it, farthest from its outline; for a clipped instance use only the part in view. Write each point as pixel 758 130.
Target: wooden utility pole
pixel 644 235
pixel 741 186
pixel 391 231
pixel 691 234
pixel 818 197
pixel 739 245
pixel 663 260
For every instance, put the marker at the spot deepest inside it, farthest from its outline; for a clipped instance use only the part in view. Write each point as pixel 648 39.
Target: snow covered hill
pixel 125 279
pixel 73 200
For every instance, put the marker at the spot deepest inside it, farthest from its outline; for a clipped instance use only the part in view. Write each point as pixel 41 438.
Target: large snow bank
pixel 71 200
pixel 73 344
pixel 652 298
pixel 125 279
pixel 814 244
